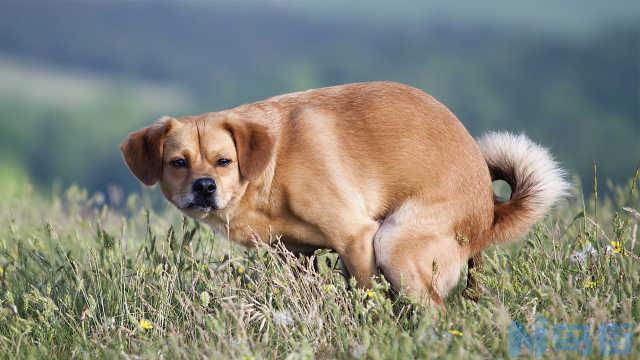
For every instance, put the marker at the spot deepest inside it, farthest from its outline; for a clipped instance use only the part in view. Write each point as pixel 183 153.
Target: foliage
pixel 79 279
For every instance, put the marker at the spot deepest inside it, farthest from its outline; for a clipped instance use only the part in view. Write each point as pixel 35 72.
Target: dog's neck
pixel 247 211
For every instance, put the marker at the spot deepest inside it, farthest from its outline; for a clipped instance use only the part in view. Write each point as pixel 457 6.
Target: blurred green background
pixel 76 76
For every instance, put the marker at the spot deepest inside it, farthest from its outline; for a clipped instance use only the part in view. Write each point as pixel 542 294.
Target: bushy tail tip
pixel 536 180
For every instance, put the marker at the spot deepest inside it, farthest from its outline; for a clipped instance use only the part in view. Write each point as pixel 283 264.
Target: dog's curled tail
pixel 536 181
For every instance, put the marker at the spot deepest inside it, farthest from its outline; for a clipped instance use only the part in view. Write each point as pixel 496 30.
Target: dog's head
pixel 202 163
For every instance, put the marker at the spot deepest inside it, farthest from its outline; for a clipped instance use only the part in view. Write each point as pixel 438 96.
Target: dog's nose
pixel 204 186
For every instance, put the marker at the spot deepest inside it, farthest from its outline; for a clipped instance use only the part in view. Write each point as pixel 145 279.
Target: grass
pixel 80 279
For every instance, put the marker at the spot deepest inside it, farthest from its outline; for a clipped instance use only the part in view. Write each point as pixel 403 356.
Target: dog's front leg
pixel 356 252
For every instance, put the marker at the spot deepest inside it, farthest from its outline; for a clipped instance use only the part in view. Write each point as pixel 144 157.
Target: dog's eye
pixel 223 162
pixel 178 163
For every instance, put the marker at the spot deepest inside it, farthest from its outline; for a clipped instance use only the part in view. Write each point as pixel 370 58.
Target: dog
pixel 380 172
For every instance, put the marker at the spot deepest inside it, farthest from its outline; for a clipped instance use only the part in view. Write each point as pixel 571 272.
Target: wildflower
pixel 205 298
pixel 589 284
pixel 145 324
pixel 240 269
pixel 109 323
pixel 580 257
pixel 358 351
pixel 327 288
pixel 371 294
pixel 617 248
pixel 282 318
pixel 455 332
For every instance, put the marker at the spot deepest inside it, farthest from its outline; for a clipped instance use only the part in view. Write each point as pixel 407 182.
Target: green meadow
pixel 93 266
pixel 92 275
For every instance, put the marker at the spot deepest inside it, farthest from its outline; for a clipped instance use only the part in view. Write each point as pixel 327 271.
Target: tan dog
pixel 380 172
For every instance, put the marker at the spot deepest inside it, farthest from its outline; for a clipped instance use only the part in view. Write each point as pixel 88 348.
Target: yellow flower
pixel 240 269
pixel 327 288
pixel 455 332
pixel 145 324
pixel 1 270
pixel 617 247
pixel 592 283
pixel 371 294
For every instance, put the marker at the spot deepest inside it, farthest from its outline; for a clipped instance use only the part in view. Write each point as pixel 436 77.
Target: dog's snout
pixel 204 186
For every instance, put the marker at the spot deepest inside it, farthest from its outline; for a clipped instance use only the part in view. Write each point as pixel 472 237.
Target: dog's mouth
pixel 191 202
pixel 203 205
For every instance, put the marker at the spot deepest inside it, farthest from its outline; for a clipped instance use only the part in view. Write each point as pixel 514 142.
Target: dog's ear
pixel 255 146
pixel 142 150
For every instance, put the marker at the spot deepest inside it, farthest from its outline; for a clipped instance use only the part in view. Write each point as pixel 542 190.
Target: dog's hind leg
pixel 417 252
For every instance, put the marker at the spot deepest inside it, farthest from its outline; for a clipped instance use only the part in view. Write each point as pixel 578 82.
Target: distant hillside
pixel 573 17
pixel 576 91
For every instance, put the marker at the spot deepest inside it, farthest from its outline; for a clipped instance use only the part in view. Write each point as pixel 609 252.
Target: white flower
pixel 358 351
pixel 608 250
pixel 282 318
pixel 205 298
pixel 109 323
pixel 580 257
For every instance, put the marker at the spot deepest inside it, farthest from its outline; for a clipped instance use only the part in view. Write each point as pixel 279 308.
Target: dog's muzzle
pixel 204 191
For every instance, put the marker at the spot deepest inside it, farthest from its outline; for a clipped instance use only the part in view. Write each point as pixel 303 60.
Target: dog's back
pixel 386 142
